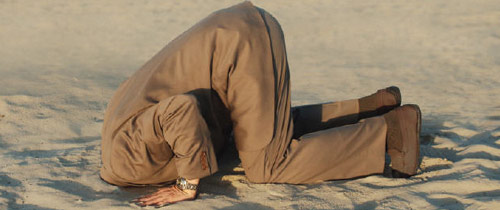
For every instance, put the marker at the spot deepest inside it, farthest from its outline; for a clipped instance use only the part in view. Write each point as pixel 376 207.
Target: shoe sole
pixel 417 141
pixel 411 156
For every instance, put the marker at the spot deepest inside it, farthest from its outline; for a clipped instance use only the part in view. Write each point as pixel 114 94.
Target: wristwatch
pixel 184 185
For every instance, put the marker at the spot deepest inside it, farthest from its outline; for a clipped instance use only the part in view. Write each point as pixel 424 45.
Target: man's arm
pixel 184 129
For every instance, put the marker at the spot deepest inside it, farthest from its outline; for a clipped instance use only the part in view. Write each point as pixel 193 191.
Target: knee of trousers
pixel 255 166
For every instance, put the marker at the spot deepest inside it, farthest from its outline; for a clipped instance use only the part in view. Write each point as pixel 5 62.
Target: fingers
pixel 161 204
pixel 164 196
pixel 156 197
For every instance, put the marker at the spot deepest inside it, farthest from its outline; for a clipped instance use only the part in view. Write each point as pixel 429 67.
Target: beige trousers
pixel 321 142
pixel 333 144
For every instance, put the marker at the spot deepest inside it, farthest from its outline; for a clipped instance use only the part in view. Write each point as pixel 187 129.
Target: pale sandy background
pixel 60 62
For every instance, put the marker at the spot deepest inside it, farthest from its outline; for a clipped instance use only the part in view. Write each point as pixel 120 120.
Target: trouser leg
pixel 258 95
pixel 336 153
pixel 258 164
pixel 315 117
pixel 251 77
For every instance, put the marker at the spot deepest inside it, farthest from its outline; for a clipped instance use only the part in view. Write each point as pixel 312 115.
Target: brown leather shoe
pixel 381 102
pixel 403 133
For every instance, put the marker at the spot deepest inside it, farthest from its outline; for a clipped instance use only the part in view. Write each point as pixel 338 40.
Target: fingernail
pixel 159 206
pixel 140 204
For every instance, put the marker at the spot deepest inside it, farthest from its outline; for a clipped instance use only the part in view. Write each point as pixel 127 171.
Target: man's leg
pixel 259 163
pixel 359 147
pixel 354 150
pixel 256 109
pixel 251 77
pixel 337 153
pixel 315 117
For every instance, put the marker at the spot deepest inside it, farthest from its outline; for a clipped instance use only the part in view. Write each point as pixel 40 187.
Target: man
pixel 229 73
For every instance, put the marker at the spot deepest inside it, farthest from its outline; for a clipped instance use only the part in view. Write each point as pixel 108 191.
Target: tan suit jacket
pixel 212 61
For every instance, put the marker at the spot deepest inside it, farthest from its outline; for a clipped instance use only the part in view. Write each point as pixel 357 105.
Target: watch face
pixel 183 184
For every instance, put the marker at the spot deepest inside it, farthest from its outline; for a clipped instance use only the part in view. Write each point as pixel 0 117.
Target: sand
pixel 60 62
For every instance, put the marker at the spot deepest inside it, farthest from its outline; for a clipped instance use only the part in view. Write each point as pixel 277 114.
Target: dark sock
pixel 368 106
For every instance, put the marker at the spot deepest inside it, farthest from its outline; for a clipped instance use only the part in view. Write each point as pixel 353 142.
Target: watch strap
pixel 182 184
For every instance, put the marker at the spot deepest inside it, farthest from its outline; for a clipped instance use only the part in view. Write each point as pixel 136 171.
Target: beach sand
pixel 60 62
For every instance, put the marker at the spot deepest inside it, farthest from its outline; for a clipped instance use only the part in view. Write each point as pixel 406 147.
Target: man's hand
pixel 167 195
